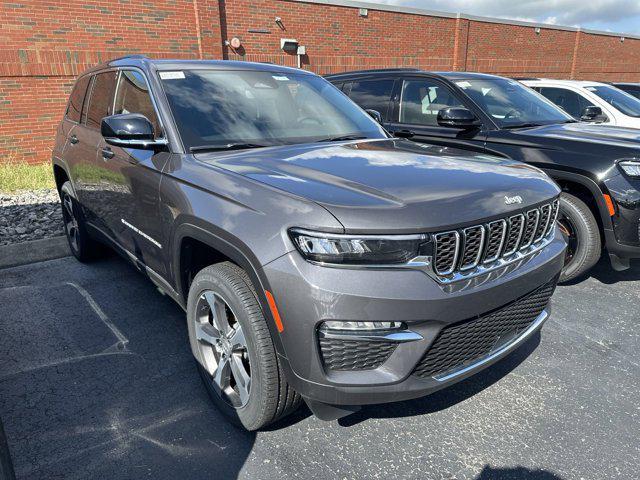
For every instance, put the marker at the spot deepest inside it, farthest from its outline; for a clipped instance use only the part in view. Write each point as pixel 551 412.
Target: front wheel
pixel 580 228
pixel 232 345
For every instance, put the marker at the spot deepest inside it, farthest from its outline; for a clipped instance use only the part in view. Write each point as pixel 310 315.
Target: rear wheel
pixel 82 246
pixel 580 228
pixel 233 348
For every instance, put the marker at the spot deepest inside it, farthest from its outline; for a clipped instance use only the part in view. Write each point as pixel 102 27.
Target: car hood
pixel 597 134
pixel 389 184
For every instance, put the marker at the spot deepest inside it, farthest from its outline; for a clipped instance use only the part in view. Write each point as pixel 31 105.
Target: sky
pixel 621 16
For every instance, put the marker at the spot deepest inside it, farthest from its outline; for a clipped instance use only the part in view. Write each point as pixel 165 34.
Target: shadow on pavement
pixel 450 396
pixel 516 473
pixel 603 273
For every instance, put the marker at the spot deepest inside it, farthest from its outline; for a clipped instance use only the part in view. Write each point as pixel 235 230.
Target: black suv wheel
pixel 82 246
pixel 578 224
pixel 233 348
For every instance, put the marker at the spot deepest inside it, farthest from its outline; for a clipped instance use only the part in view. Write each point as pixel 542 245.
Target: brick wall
pixel 44 44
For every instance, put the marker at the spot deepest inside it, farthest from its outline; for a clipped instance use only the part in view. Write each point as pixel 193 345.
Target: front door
pixel 134 178
pixel 417 101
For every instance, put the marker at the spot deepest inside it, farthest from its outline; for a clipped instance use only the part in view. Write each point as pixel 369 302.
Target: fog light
pixel 361 326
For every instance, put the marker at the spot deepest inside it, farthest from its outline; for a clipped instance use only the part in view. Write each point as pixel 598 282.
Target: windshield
pixel 245 109
pixel 617 99
pixel 511 104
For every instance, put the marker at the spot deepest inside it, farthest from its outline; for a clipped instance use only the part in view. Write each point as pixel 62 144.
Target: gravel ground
pixel 97 382
pixel 29 215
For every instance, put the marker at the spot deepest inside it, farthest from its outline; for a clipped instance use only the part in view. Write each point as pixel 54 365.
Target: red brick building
pixel 44 44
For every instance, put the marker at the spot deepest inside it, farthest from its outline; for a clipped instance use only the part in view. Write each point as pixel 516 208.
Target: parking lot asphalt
pixel 97 382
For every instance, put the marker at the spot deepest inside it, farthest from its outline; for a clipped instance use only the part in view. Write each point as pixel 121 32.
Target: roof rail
pixel 134 55
pixel 374 70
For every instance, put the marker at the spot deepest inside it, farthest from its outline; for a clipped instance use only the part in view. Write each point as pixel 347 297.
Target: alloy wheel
pixel 70 222
pixel 568 229
pixel 223 348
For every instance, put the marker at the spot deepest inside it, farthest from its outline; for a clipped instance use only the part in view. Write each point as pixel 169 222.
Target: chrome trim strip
pixel 480 250
pixel 396 336
pixel 456 255
pixel 320 234
pixel 540 319
pixel 504 236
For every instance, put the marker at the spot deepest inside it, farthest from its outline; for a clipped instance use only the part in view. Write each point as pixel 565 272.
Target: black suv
pixel 597 167
pixel 315 257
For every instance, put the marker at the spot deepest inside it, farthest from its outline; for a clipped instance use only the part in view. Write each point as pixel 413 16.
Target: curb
pixel 33 251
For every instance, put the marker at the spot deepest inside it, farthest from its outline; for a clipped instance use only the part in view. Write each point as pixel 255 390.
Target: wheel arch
pixel 225 248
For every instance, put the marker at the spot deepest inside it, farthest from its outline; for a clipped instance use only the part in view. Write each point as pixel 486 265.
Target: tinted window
pixel 510 103
pixel 133 97
pixel 571 102
pixel 373 94
pixel 618 99
pixel 215 108
pixel 77 98
pixel 101 101
pixel 631 91
pixel 421 100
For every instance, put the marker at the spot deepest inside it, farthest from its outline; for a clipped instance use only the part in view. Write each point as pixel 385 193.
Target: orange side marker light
pixel 274 311
pixel 610 206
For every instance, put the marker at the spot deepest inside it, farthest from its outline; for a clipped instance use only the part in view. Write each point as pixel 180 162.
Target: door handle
pixel 73 139
pixel 107 153
pixel 403 133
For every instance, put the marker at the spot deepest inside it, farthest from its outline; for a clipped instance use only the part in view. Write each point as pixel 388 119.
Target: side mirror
pixel 456 117
pixel 130 130
pixel 592 114
pixel 375 114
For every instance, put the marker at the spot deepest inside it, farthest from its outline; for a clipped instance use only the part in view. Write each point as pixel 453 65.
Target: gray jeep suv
pixel 316 257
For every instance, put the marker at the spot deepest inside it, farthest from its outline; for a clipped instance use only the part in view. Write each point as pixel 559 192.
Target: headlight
pixel 630 167
pixel 358 249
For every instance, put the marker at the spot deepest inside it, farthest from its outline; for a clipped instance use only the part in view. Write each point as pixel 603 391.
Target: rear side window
pixel 76 99
pixel 101 101
pixel 133 97
pixel 372 94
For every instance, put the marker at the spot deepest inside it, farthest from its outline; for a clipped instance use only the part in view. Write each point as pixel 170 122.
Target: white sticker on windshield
pixel 591 89
pixel 463 84
pixel 280 78
pixel 171 75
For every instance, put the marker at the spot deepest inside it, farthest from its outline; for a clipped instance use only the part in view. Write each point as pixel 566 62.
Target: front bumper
pixel 624 240
pixel 308 294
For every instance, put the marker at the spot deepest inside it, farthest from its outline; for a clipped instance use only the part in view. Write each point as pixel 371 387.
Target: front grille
pixel 467 248
pixel 464 343
pixel 339 354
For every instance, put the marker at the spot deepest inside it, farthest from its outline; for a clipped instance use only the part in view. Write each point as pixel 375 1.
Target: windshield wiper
pixel 225 146
pixel 522 125
pixel 343 137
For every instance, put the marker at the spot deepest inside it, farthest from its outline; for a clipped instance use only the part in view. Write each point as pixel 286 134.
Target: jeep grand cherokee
pixel 316 257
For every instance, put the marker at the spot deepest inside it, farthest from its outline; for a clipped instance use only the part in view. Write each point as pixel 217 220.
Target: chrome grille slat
pixel 516 227
pixel 531 225
pixel 459 252
pixel 447 251
pixel 472 247
pixel 543 222
pixel 497 233
pixel 555 208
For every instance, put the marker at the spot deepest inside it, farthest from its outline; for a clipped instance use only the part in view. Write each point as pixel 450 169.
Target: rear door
pixel 414 114
pixel 132 178
pixel 92 177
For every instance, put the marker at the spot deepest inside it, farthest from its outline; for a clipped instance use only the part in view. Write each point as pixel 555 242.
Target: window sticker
pixel 171 75
pixel 463 84
pixel 591 89
pixel 280 78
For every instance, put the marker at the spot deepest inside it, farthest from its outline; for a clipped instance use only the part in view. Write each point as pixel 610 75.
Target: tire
pixel 581 229
pixel 226 289
pixel 82 246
